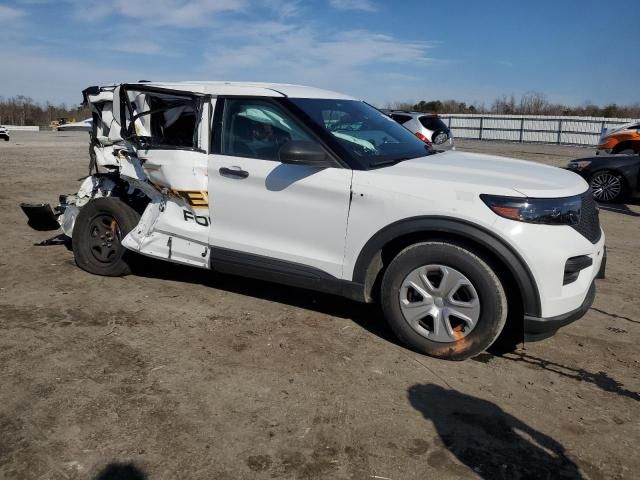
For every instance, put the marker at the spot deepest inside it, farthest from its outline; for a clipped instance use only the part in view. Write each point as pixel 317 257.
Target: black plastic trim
pixel 536 328
pixel 574 266
pixel 603 266
pixel 282 271
pixel 41 216
pixel 449 225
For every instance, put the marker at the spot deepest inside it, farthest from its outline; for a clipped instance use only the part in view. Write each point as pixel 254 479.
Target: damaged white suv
pixel 319 190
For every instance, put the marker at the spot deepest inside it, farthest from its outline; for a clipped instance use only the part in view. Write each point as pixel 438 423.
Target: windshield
pixel 367 135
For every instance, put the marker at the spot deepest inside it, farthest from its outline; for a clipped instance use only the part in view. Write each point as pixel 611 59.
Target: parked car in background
pixel 81 126
pixel 623 139
pixel 4 133
pixel 55 124
pixel 612 178
pixel 428 127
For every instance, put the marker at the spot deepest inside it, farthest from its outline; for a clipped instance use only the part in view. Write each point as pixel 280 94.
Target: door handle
pixel 235 172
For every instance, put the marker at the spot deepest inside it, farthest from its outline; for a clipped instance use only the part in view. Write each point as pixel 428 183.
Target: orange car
pixel 622 139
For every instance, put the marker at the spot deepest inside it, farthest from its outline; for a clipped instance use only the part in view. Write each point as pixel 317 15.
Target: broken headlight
pixel 546 211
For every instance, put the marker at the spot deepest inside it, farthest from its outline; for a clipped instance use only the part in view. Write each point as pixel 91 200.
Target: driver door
pixel 268 216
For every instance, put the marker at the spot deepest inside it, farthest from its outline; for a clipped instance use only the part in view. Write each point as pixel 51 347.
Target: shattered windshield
pixel 366 134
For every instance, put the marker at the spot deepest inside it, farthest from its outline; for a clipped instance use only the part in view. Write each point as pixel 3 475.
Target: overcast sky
pixel 572 50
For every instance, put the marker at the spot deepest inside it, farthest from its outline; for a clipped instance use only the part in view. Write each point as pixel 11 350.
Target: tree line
pixel 531 103
pixel 21 110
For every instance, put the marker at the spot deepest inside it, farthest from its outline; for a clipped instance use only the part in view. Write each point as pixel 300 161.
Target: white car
pixel 315 189
pixel 427 127
pixel 4 133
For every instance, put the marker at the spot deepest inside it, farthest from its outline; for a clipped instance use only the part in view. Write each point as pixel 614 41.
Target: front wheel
pixel 442 300
pixel 97 235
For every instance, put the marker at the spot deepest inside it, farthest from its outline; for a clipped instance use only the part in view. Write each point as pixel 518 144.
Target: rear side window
pixel 163 119
pixel 400 118
pixel 433 123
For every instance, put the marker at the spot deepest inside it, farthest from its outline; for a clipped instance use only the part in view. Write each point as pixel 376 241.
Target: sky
pixel 573 51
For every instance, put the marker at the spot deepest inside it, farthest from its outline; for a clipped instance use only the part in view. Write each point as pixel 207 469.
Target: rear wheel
pixel 443 300
pixel 607 186
pixel 439 137
pixel 97 235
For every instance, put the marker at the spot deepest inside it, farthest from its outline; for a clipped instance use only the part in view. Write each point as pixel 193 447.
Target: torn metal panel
pixel 148 147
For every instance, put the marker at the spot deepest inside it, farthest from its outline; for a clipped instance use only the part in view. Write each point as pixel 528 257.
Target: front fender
pixel 434 225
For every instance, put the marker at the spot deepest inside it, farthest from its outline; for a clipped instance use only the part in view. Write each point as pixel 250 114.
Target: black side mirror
pixel 302 152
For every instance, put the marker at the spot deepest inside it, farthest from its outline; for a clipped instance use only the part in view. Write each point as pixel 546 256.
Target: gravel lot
pixel 179 373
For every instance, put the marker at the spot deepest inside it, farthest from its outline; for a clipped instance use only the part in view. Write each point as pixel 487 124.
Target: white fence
pixel 531 128
pixel 16 128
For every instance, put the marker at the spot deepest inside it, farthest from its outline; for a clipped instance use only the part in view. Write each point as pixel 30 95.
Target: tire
pixel 607 186
pixel 101 225
pixel 482 295
pixel 439 137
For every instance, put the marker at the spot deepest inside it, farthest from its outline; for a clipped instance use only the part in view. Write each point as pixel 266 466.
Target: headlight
pixel 578 164
pixel 547 211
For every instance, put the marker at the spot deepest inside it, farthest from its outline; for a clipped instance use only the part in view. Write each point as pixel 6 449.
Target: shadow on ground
pixel 489 441
pixel 614 315
pixel 121 471
pixel 367 316
pixel 620 208
pixel 600 379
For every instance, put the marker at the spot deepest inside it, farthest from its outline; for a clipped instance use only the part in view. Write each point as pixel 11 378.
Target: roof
pixel 414 114
pixel 250 88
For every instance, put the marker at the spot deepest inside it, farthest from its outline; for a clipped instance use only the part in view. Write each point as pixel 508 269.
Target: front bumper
pixel 536 328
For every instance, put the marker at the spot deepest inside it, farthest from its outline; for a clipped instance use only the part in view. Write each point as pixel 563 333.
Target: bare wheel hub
pixel 104 238
pixel 439 303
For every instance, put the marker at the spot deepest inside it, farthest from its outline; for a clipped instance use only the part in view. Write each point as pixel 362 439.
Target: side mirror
pixel 302 152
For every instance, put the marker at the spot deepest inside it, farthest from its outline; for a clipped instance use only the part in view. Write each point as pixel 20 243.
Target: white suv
pixel 319 190
pixel 4 133
pixel 427 127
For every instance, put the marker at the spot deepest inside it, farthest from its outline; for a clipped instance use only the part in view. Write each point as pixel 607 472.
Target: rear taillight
pixel 423 138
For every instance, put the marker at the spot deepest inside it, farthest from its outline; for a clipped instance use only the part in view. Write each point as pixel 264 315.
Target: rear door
pixel 265 214
pixel 172 137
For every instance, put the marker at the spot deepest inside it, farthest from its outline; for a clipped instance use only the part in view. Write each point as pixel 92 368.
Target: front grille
pixel 589 225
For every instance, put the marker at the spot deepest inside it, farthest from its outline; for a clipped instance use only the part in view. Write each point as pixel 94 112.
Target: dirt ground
pixel 179 373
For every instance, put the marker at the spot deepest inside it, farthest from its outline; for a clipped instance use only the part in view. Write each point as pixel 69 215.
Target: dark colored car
pixel 612 177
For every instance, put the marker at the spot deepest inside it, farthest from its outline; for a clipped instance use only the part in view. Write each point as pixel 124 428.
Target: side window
pixel 400 118
pixel 257 129
pixel 165 119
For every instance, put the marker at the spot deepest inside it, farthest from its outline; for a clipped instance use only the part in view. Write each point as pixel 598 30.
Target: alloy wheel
pixel 606 187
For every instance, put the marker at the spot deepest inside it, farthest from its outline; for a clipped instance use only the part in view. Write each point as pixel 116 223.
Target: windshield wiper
pixel 382 163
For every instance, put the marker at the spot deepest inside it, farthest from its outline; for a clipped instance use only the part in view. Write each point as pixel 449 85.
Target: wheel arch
pixel 105 185
pixel 627 143
pixel 383 246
